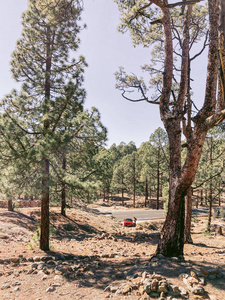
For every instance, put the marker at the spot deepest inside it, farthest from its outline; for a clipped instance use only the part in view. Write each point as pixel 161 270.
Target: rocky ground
pixel 94 257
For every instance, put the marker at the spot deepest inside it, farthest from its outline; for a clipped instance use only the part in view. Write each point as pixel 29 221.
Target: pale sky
pixel 105 49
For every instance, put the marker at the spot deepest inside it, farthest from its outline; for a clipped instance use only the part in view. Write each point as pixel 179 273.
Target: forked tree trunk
pixel 171 241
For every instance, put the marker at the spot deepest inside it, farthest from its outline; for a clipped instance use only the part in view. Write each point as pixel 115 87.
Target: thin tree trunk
pixel 44 238
pixel 134 182
pixel 63 203
pixel 10 206
pixel 158 181
pixel 201 197
pixel 208 229
pixel 146 191
pixel 188 214
pixel 122 196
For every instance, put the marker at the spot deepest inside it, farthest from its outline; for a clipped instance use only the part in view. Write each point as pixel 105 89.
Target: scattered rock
pixel 50 289
pixel 198 290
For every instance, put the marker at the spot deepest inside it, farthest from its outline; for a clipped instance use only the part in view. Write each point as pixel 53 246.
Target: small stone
pixel 162 289
pixel 34 266
pixel 113 289
pixel 58 277
pixel 202 280
pixel 16 283
pixel 15 260
pixel 145 296
pixel 198 290
pixel 126 289
pixel 50 289
pixel 16 273
pixel 51 262
pixel 44 277
pixel 56 284
pixel 193 274
pixel 6 286
pixel 30 259
pixel 154 285
pixel 36 258
pixel 192 281
pixel 144 275
pixel 148 288
pixel 142 290
pixel 176 290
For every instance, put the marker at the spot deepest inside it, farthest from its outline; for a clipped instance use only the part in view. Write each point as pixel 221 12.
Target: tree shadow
pixel 21 220
pixel 95 272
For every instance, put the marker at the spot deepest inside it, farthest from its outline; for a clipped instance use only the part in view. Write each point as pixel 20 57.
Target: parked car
pixel 128 222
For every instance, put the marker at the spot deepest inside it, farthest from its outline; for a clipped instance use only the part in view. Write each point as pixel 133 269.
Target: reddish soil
pixel 102 250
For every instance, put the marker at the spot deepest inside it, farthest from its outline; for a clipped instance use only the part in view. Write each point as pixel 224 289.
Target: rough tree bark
pixel 63 203
pixel 172 236
pixel 44 237
pixel 188 209
pixel 173 111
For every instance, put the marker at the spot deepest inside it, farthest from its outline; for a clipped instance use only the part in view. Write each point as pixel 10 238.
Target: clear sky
pixel 105 49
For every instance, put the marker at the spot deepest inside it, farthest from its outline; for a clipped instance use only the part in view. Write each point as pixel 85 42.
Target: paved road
pixel 143 215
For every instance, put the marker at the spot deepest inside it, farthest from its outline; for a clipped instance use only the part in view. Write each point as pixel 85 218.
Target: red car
pixel 128 222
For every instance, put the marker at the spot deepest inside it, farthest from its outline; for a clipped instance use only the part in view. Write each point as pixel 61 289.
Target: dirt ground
pixel 91 251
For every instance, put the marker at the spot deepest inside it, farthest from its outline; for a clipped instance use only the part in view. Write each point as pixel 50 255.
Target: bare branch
pixel 188 2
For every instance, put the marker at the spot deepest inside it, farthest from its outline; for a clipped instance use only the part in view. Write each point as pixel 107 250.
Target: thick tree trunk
pixel 171 241
pixel 44 238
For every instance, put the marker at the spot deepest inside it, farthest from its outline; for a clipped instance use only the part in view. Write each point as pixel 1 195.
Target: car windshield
pixel 130 220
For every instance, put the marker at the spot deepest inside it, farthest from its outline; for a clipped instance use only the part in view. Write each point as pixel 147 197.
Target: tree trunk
pixel 158 181
pixel 188 214
pixel 122 196
pixel 134 182
pixel 208 229
pixel 201 197
pixel 171 241
pixel 146 191
pixel 44 238
pixel 10 206
pixel 63 203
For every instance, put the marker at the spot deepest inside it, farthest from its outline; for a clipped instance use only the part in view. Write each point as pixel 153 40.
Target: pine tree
pixel 51 87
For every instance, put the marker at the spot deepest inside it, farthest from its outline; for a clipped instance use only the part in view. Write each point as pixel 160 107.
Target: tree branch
pixel 188 2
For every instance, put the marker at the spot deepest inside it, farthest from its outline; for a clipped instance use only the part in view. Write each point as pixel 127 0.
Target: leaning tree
pixel 145 19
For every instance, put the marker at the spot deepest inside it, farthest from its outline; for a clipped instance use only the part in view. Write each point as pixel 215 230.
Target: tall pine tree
pixel 51 92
